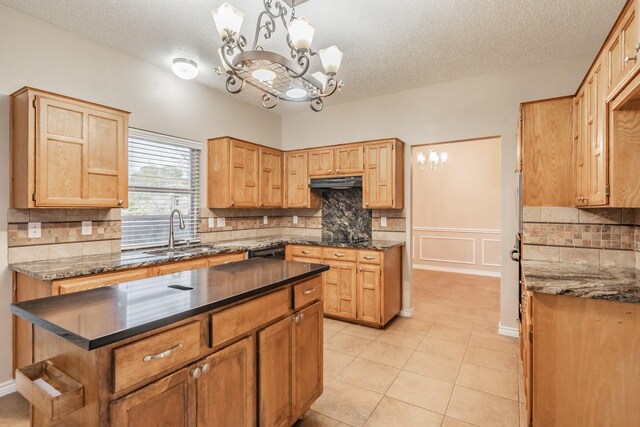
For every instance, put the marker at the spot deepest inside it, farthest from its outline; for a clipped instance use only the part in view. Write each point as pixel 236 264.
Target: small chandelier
pixel 276 76
pixel 432 161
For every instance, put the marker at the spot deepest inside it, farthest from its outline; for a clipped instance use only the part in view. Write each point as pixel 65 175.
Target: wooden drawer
pixel 235 321
pixel 339 254
pixel 225 259
pixel 148 357
pixel 175 267
pixel 306 292
pixel 309 260
pixel 96 281
pixel 306 251
pixel 369 257
pixel 71 392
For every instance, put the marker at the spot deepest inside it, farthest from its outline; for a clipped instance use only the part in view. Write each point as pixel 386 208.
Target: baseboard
pixel 508 331
pixel 7 388
pixel 457 270
pixel 406 313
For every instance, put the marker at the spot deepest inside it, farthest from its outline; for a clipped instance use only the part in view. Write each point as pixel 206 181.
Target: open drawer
pixel 51 391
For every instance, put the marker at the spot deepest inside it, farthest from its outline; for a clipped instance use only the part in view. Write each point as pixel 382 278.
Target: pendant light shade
pixel 331 58
pixel 228 20
pixel 301 32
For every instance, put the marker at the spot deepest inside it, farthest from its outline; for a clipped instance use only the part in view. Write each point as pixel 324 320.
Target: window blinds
pixel 164 174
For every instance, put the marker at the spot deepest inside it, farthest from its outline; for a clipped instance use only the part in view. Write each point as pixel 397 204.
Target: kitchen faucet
pixel 171 242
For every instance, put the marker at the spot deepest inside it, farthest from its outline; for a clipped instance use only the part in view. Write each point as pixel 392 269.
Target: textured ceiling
pixel 388 46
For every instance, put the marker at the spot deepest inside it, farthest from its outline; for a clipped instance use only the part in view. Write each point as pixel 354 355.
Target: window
pixel 164 174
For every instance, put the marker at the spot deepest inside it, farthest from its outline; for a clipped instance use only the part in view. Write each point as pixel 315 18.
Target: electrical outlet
pixel 265 220
pixel 295 219
pixel 212 222
pixel 86 228
pixel 383 221
pixel 221 222
pixel 34 230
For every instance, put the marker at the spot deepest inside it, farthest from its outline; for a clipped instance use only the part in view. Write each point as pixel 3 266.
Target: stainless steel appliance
pixel 276 252
pixel 341 183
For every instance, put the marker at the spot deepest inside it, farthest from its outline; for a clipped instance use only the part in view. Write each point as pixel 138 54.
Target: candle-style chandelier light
pixel 277 76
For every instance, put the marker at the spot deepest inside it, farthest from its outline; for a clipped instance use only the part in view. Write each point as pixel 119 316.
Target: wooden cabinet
pixel 581 150
pixel 290 367
pixel 383 180
pixel 349 159
pixel 621 53
pixel 66 152
pixel 226 387
pixel 595 133
pixel 299 195
pixel 321 162
pixel 169 401
pixel 547 149
pixel 361 286
pixel 526 351
pixel 271 178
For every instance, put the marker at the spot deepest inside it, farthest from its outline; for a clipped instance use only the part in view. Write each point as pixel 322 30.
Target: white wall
pixel 37 54
pixel 465 109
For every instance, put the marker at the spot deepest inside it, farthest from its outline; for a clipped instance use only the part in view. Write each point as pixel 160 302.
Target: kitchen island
pixel 236 344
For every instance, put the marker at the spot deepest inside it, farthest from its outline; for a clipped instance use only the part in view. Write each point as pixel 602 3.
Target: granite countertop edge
pixel 583 281
pixel 67 268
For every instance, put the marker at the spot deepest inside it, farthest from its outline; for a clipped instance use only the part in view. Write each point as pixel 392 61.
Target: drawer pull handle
pixel 369 257
pixel 339 254
pixel 309 291
pixel 306 252
pixel 162 355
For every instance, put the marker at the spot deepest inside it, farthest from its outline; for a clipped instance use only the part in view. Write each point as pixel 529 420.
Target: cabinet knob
pixel 337 170
pixel 262 204
pixel 304 205
pixel 367 204
pixel 329 170
pixel 205 368
pixel 296 318
pixel 301 316
pixel 233 203
pixel 196 373
pixel 120 202
pixel 629 58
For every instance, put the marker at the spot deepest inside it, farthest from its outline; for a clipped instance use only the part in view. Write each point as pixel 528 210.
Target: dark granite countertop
pixel 64 268
pixel 103 316
pixel 584 281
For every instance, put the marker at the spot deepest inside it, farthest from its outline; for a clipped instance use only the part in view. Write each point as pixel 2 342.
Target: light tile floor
pixel 444 367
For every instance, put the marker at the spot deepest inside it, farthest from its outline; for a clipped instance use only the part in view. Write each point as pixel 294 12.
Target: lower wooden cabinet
pixel 340 289
pixel 369 293
pixel 169 401
pixel 290 367
pixel 226 387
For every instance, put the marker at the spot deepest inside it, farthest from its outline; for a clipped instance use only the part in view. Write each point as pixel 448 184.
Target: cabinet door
pixel 274 367
pixel 226 392
pixel 307 358
pixel 244 175
pixel 321 162
pixel 378 182
pixel 81 155
pixel 271 191
pixel 297 180
pixel 581 150
pixel 369 285
pixel 349 159
pixel 629 39
pixel 170 401
pixel 340 289
pixel 596 133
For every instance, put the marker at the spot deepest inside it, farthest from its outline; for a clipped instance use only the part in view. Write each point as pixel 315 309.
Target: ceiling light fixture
pixel 432 161
pixel 185 68
pixel 289 78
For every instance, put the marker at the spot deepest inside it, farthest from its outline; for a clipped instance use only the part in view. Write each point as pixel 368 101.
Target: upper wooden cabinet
pixel 546 138
pixel 321 162
pixel 621 52
pixel 349 159
pixel 383 181
pixel 581 150
pixel 66 152
pixel 243 175
pixel 297 186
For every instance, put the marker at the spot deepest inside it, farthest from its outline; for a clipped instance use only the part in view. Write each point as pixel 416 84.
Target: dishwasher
pixel 276 252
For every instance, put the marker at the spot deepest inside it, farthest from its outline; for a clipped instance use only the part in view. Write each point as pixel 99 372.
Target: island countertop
pixel 583 281
pixel 103 316
pixel 65 268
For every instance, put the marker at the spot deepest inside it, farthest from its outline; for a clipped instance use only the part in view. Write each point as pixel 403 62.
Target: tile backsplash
pixel 608 237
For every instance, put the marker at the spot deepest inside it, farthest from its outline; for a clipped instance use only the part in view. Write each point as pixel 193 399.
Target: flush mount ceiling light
pixel 276 76
pixel 432 161
pixel 185 68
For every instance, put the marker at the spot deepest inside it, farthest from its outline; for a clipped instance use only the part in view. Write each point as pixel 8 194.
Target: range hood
pixel 342 183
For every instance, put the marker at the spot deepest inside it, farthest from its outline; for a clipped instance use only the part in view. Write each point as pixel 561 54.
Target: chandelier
pixel 278 77
pixel 432 161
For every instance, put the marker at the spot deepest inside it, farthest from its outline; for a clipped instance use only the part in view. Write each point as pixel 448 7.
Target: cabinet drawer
pixel 306 292
pixel 339 254
pixel 235 321
pixel 96 281
pixel 225 259
pixel 309 260
pixel 181 266
pixel 306 251
pixel 369 257
pixel 148 357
